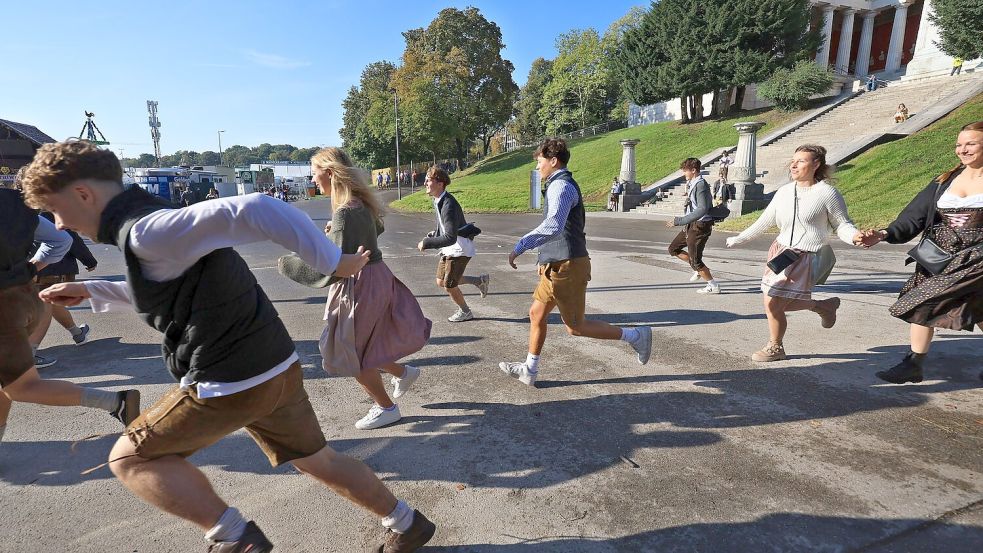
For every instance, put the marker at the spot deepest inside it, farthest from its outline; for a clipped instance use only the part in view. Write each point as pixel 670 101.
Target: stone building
pixel 893 39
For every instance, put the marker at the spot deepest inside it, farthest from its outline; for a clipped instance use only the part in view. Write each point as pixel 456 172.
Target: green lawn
pixel 500 184
pixel 879 183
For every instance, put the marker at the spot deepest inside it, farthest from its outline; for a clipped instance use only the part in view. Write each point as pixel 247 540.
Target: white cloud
pixel 274 61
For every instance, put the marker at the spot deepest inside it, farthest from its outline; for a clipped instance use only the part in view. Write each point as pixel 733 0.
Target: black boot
pixel 908 370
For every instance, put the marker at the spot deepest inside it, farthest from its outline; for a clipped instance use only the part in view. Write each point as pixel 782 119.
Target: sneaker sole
pixel 460 320
pixel 913 380
pixel 374 427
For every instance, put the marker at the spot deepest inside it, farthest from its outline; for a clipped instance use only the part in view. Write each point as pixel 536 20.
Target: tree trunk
pixel 684 107
pixel 739 98
pixel 697 107
pixel 715 104
pixel 460 152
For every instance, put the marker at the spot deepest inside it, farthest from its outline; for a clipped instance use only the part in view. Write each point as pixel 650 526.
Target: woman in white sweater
pixel 806 211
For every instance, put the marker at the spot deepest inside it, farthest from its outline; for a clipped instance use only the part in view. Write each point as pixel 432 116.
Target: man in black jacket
pixel 20 312
pixel 690 242
pixel 455 250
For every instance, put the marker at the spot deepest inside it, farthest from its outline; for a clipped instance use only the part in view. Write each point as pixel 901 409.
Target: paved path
pixel 700 450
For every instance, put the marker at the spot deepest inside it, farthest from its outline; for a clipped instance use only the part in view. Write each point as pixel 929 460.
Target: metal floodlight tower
pixel 89 129
pixel 154 128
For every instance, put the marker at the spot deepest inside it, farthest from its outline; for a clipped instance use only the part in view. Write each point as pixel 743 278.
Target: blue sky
pixel 262 71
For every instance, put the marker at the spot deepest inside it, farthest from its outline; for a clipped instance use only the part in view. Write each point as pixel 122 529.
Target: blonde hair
pixel 347 181
pixel 976 126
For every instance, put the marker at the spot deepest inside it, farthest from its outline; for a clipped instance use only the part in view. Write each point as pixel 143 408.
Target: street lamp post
pixel 220 160
pixel 399 190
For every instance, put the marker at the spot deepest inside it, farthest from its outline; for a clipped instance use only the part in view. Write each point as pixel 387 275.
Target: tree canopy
pixel 960 24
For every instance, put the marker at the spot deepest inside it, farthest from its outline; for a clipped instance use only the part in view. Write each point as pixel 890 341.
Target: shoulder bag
pixel 927 253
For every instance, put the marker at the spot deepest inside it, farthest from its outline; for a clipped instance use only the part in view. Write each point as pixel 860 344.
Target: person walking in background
pixel 223 341
pixel 689 244
pixel 616 190
pixel 957 66
pixel 388 321
pixel 388 180
pixel 455 250
pixel 21 311
pixel 564 267
pixel 378 180
pixel 724 166
pixel 949 213
pixel 61 271
pixel 901 115
pixel 805 211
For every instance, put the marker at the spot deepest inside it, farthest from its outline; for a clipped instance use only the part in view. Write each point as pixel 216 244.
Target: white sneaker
pixel 696 276
pixel 519 371
pixel 483 285
pixel 709 289
pixel 378 417
pixel 461 316
pixel 643 347
pixel 402 384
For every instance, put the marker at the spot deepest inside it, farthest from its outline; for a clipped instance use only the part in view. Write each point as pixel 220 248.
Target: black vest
pixel 572 242
pixel 218 324
pixel 16 240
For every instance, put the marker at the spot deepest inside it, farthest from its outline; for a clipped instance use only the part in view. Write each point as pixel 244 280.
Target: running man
pixel 223 341
pixel 455 251
pixel 564 267
pixel 21 311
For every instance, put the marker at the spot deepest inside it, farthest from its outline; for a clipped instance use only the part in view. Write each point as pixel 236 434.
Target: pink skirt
pixel 389 323
pixel 795 282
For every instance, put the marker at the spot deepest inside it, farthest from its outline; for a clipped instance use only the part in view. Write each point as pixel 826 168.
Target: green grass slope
pixel 879 183
pixel 500 184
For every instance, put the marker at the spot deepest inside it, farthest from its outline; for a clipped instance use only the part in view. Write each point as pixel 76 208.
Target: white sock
pixel 400 519
pixel 75 330
pixel 532 362
pixel 712 282
pixel 230 526
pixel 630 335
pixel 387 408
pixel 100 399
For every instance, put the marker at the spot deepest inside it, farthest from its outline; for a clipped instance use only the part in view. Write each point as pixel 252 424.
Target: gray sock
pixel 229 527
pixel 100 399
pixel 34 350
pixel 75 330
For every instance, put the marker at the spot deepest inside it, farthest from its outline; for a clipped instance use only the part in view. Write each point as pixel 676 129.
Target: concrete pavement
pixel 700 450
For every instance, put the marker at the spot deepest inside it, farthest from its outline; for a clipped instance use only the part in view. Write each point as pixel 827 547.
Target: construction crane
pixel 154 128
pixel 89 129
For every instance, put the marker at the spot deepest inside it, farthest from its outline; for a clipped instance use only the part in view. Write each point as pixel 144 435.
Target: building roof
pixel 29 132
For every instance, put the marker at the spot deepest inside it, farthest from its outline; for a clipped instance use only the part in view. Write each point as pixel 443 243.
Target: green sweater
pixel 352 226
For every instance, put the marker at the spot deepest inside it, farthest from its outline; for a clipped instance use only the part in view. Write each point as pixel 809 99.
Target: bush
pixel 790 89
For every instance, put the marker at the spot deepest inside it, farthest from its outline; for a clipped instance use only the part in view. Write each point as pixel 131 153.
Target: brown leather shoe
pixel 827 311
pixel 771 352
pixel 418 535
pixel 252 541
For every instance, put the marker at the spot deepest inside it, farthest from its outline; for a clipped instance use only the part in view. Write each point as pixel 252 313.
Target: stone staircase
pixel 870 112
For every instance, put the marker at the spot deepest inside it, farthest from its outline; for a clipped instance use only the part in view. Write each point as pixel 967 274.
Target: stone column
pixel 894 50
pixel 822 57
pixel 631 195
pixel 748 195
pixel 846 41
pixel 863 49
pixel 928 59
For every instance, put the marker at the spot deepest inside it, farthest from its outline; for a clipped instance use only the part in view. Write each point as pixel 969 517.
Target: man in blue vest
pixel 222 340
pixel 564 267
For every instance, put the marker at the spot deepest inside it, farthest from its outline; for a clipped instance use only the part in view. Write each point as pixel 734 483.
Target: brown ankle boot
pixel 416 537
pixel 827 311
pixel 771 352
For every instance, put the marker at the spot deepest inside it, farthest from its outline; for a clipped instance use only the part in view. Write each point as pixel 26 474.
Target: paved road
pixel 700 450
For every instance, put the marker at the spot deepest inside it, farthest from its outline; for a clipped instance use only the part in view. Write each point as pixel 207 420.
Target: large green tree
pixel 453 72
pixel 960 24
pixel 368 133
pixel 527 125
pixel 578 94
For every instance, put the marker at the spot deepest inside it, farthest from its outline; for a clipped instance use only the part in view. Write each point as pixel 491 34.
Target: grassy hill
pixel 500 184
pixel 879 183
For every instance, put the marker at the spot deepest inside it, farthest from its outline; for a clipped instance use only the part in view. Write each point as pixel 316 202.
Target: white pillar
pixel 846 42
pixel 822 57
pixel 628 160
pixel 894 50
pixel 743 170
pixel 928 59
pixel 863 50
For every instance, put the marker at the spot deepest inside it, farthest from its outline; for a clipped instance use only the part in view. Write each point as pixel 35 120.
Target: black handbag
pixel 788 256
pixel 927 253
pixel 469 231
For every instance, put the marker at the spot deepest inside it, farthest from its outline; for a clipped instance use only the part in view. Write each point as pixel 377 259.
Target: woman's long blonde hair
pixel 347 181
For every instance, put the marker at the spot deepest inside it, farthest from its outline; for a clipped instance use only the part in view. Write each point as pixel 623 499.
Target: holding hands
pixel 869 237
pixel 731 241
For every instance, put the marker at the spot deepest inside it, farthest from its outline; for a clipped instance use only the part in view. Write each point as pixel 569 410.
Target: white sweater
pixel 821 211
